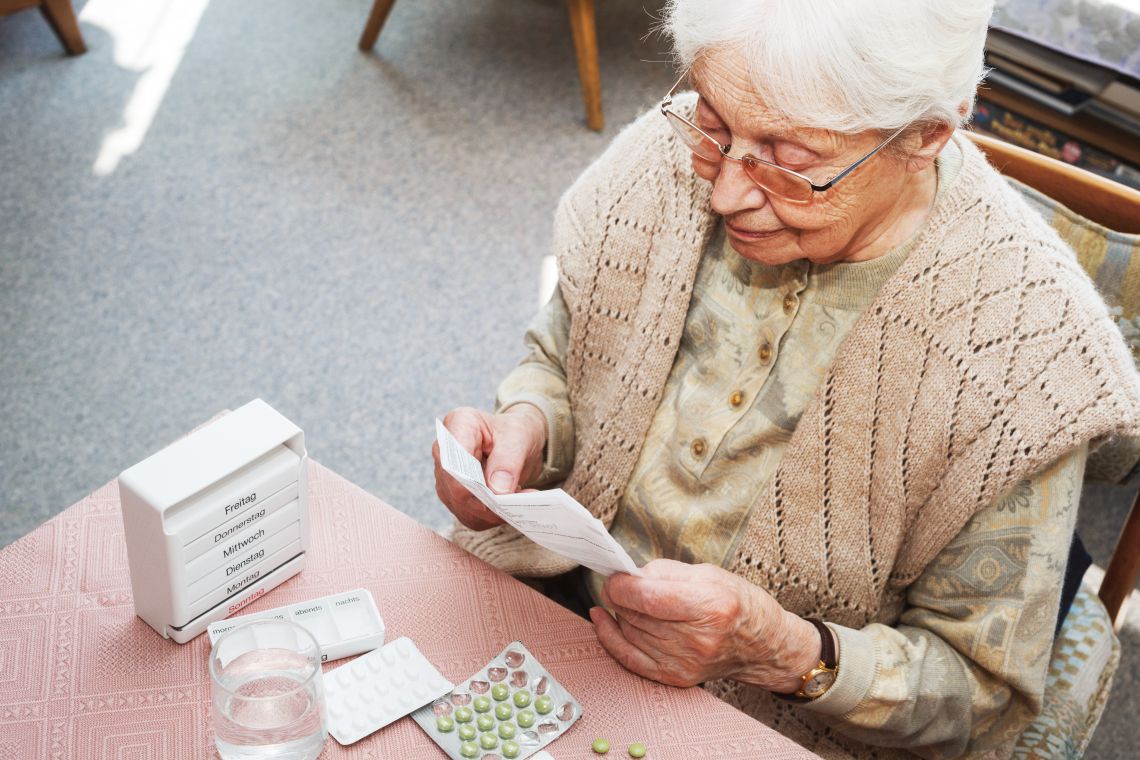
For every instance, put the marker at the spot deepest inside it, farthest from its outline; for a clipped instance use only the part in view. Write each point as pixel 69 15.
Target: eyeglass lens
pixel 772 179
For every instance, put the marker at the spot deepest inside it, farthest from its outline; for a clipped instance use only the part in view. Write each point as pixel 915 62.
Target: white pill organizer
pixel 343 624
pixel 216 520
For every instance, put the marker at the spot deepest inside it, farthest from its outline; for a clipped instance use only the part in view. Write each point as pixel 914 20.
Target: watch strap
pixel 827 654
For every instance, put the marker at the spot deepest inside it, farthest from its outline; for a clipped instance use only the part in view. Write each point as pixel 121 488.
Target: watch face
pixel 819 683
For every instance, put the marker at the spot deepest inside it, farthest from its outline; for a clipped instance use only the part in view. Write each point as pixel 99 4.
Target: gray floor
pixel 355 238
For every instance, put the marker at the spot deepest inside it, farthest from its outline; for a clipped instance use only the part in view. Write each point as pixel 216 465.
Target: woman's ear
pixel 933 137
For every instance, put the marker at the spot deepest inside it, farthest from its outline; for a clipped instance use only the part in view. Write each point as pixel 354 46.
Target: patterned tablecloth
pixel 82 677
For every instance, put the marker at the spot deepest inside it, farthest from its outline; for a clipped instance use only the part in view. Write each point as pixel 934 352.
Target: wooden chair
pixel 1094 197
pixel 582 28
pixel 1116 207
pixel 59 14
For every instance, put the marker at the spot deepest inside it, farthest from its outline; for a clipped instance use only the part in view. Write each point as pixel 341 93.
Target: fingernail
pixel 501 481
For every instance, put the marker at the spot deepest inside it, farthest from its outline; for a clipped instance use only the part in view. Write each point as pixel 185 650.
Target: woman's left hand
pixel 684 624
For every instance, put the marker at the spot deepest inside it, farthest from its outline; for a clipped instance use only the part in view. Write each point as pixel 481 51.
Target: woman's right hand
pixel 509 445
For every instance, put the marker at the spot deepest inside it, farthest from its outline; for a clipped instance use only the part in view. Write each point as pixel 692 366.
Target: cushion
pixel 1085 656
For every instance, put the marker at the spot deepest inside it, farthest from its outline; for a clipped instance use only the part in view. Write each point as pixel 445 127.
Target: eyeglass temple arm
pixel 857 164
pixel 668 99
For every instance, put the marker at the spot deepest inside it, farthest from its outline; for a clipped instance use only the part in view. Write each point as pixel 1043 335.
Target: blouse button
pixel 765 353
pixel 790 301
pixel 736 399
pixel 698 448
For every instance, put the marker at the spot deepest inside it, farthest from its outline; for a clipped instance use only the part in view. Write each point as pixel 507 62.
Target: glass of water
pixel 268 692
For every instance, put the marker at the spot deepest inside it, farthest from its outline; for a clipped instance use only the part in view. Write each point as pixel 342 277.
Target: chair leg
pixel 376 19
pixel 584 30
pixel 1120 576
pixel 61 16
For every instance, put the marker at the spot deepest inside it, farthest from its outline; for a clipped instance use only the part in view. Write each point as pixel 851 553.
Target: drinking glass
pixel 268 692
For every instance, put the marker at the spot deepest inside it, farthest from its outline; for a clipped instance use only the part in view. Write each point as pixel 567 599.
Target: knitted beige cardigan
pixel 984 357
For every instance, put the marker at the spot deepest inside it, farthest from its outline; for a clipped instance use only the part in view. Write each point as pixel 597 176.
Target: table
pixel 82 678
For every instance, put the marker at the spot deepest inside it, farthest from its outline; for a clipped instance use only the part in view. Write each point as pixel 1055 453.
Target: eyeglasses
pixel 773 179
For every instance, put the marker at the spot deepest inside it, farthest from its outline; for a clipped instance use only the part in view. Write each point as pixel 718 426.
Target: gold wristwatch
pixel 819 679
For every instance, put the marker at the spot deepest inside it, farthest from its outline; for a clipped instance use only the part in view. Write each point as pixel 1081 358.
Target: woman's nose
pixel 734 192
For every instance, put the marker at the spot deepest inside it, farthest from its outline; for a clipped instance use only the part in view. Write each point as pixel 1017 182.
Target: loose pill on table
pixel 504 711
pixel 511 749
pixel 444 724
pixel 507 730
pixel 543 705
pixel 500 691
pixel 469 749
pixel 463 715
pixel 482 704
pixel 467 731
pixel 601 746
pixel 488 741
pixel 525 718
pixel 485 722
pixel 637 749
pixel 521 698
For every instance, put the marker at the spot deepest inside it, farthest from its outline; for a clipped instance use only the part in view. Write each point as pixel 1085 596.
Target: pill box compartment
pixel 344 624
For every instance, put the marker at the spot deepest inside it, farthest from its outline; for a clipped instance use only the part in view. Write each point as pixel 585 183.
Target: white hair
pixel 845 65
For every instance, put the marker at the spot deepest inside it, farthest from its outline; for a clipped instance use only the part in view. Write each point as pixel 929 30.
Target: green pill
pixel 469 749
pixel 463 715
pixel 482 704
pixel 637 749
pixel 543 705
pixel 485 722
pixel 500 691
pixel 467 732
pixel 510 749
pixel 504 711
pixel 488 741
pixel 525 718
pixel 521 698
pixel 444 724
pixel 601 746
pixel 507 730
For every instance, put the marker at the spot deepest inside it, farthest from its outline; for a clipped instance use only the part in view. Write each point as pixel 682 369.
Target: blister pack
pixel 378 688
pixel 511 708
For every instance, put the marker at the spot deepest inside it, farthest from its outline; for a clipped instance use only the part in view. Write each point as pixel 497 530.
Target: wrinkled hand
pixel 684 624
pixel 509 445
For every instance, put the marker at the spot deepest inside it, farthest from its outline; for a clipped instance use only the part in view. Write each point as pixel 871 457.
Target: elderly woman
pixel 823 373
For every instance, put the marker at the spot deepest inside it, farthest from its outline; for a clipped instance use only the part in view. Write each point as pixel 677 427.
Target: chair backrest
pixel 1100 219
pixel 1096 198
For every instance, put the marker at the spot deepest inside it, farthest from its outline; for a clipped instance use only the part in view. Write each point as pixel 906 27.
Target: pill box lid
pixel 209 454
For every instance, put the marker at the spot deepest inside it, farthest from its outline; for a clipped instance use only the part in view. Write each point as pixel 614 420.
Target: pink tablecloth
pixel 81 677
